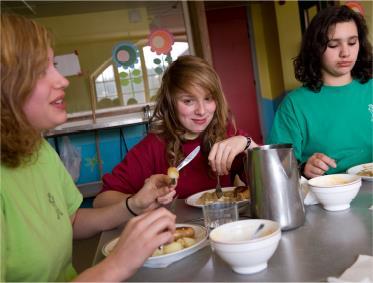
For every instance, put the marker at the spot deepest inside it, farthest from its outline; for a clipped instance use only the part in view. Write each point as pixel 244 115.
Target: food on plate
pixel 187 242
pixel 173 173
pixel 238 194
pixel 171 248
pixel 182 232
pixel 183 238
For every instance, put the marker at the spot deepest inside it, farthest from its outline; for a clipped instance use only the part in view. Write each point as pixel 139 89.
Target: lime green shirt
pixel 37 201
pixel 337 121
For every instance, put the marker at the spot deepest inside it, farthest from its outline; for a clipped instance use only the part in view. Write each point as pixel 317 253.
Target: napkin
pixel 309 197
pixel 360 271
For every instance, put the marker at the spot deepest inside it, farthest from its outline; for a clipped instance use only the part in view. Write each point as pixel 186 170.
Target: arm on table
pixel 142 235
pixel 156 191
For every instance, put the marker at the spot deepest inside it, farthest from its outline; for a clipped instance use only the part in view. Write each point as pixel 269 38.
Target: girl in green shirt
pixel 40 212
pixel 328 120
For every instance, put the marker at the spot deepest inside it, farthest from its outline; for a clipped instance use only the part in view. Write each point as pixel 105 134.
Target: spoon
pixel 255 235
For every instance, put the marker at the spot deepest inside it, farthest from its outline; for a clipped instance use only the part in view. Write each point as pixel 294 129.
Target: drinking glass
pixel 218 213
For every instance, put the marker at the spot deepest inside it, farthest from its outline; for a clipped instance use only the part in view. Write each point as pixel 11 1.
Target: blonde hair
pixel 24 57
pixel 181 76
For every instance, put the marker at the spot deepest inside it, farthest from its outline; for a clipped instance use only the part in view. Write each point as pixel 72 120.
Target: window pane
pixel 100 90
pixel 108 74
pixel 154 81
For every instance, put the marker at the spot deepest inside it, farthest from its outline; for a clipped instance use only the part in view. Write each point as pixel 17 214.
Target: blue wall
pixel 268 111
pixel 113 144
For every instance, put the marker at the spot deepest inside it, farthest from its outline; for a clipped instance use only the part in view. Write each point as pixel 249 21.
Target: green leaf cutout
pixel 157 61
pixel 169 59
pixel 137 80
pixel 136 72
pixel 158 70
pixel 123 75
pixel 125 82
pixel 131 101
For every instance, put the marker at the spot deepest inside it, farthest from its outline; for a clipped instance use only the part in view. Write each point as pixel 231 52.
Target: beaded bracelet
pixel 128 207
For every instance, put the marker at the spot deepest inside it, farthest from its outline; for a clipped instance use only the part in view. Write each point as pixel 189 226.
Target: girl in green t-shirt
pixel 40 212
pixel 328 120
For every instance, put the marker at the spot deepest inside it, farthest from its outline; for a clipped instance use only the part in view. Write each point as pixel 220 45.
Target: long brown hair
pixel 24 57
pixel 181 76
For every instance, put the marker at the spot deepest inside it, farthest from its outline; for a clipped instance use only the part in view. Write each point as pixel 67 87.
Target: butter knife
pixel 189 158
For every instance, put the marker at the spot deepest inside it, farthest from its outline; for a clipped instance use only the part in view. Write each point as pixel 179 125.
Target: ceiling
pixel 38 9
pixel 60 8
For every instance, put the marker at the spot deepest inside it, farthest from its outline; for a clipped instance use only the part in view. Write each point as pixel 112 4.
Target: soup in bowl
pixel 335 192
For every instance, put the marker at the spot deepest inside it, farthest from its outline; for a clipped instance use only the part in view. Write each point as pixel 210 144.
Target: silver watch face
pixel 248 143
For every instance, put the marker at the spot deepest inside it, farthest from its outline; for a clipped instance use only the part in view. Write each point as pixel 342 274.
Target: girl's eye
pixel 332 45
pixel 187 101
pixel 209 98
pixel 352 43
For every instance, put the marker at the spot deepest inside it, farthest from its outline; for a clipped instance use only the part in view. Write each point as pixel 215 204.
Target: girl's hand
pixel 140 238
pixel 223 153
pixel 318 164
pixel 157 190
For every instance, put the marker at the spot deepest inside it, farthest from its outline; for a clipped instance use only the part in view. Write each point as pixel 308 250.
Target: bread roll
pixel 183 232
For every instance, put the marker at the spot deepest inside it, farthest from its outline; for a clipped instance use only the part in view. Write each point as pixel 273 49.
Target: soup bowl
pixel 244 250
pixel 336 191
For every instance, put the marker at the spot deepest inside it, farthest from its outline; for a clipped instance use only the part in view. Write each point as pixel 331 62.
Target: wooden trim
pixel 199 30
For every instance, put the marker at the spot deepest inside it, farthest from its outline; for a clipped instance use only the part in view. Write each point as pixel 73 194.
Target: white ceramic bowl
pixel 232 242
pixel 335 192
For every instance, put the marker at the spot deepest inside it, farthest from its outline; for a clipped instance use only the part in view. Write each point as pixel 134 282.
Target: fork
pixel 173 204
pixel 218 191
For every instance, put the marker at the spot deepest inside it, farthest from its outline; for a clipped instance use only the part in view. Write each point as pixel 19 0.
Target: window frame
pixel 109 62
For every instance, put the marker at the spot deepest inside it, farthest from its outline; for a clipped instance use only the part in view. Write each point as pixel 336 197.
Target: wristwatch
pixel 248 143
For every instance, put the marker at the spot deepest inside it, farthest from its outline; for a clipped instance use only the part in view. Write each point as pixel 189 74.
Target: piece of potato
pixel 158 252
pixel 173 247
pixel 172 172
pixel 187 242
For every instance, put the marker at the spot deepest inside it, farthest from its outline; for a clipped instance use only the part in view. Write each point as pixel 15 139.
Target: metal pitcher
pixel 275 186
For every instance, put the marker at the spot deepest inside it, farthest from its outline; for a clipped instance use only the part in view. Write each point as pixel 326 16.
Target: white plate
pixel 192 200
pixel 356 169
pixel 200 234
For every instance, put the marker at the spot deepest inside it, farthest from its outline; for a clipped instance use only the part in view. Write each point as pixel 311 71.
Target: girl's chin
pixel 191 135
pixel 58 122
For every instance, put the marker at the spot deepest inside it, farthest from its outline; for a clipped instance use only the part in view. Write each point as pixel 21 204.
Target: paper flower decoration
pixel 161 41
pixel 125 54
pixel 356 6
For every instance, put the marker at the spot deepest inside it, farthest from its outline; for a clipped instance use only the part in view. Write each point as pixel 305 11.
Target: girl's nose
pixel 200 108
pixel 62 82
pixel 345 51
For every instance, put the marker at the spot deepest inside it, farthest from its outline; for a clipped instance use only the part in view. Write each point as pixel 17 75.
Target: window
pixel 138 84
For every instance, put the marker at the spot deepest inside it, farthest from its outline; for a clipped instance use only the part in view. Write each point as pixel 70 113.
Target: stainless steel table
pixel 326 245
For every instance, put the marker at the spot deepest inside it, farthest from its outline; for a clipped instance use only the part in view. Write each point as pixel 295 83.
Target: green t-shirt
pixel 37 201
pixel 337 121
